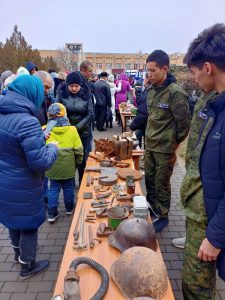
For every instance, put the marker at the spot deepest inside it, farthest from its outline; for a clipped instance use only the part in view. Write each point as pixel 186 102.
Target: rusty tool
pixel 99 202
pixel 91 238
pixel 88 180
pixel 113 198
pixel 99 205
pixel 81 243
pixel 76 232
pixel 102 196
pixel 91 210
pixel 103 213
pixel 90 215
pixel 89 221
pixel 126 197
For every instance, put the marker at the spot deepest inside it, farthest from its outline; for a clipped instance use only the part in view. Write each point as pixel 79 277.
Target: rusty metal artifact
pixel 116 215
pixel 140 272
pixel 120 147
pixel 133 232
pixel 123 173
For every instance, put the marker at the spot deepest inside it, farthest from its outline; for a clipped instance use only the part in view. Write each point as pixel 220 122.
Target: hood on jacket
pixel 123 76
pixel 30 66
pixel 60 129
pixel 13 102
pixel 169 79
pixel 30 87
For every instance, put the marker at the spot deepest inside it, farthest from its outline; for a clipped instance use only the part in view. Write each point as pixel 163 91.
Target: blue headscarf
pixel 30 87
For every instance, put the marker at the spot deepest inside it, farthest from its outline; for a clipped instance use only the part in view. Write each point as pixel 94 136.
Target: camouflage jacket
pixel 168 120
pixel 191 191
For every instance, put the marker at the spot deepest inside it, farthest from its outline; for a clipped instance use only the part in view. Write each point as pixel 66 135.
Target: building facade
pixel 109 62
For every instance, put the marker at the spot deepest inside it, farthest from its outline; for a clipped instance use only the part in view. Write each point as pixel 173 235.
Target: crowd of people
pixel 36 163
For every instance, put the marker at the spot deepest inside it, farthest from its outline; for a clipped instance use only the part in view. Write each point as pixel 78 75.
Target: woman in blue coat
pixel 24 158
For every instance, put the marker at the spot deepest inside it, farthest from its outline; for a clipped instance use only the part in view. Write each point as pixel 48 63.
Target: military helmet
pixel 133 232
pixel 140 272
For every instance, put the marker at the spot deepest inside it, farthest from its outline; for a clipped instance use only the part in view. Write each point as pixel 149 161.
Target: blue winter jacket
pixel 212 167
pixel 24 158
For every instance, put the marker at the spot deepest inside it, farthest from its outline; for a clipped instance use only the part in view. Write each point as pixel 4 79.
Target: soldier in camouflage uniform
pixel 202 190
pixel 192 193
pixel 168 125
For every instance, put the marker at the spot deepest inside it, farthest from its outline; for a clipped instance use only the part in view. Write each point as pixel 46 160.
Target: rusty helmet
pixel 133 232
pixel 140 272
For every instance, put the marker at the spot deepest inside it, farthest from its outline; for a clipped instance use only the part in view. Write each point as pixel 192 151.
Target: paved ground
pixel 52 239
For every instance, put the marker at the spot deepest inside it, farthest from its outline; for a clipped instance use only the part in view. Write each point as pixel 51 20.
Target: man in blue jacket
pixel 202 191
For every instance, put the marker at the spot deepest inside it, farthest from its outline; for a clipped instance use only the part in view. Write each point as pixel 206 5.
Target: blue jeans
pixel 26 241
pixel 53 195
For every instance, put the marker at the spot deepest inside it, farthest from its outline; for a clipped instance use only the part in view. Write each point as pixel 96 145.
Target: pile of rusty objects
pixel 115 201
pixel 119 147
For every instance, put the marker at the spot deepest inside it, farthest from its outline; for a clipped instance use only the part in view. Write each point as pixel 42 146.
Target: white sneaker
pixel 179 242
pixel 52 219
pixel 70 212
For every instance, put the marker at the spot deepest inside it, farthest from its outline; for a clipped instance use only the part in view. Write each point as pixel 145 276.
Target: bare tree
pixel 67 60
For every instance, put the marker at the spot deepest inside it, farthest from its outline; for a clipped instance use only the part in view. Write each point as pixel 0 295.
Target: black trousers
pixel 100 116
pixel 26 241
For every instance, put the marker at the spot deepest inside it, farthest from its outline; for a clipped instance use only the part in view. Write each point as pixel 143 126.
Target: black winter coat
pixel 79 111
pixel 212 167
pixel 102 93
pixel 140 121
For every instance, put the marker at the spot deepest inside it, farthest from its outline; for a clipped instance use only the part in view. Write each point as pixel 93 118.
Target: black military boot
pixel 32 268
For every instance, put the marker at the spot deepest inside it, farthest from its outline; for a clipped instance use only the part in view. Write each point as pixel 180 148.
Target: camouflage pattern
pixel 158 170
pixel 196 124
pixel 168 120
pixel 199 277
pixel 191 191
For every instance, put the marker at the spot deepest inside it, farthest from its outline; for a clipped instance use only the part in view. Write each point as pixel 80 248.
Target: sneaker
pixel 70 212
pixel 179 242
pixel 52 219
pixel 160 224
pixel 33 268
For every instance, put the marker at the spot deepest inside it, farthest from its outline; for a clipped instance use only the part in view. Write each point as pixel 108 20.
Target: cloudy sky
pixel 111 26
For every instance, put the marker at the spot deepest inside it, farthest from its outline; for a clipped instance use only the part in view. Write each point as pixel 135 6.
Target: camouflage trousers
pixel 158 170
pixel 199 277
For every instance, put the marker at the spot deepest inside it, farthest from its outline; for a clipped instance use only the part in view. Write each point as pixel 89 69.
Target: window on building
pixel 108 66
pixel 117 66
pixel 136 66
pixel 128 66
pixel 99 66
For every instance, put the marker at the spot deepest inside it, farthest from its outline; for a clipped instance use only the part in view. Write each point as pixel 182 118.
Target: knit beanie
pixel 74 78
pixel 56 110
